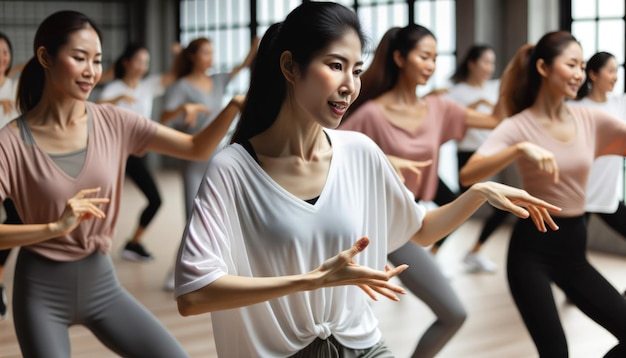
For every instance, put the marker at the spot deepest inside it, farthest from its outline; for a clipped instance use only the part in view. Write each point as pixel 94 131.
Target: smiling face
pixel 331 82
pixel 420 63
pixel 5 56
pixel 77 66
pixel 483 67
pixel 606 77
pixel 566 73
pixel 137 66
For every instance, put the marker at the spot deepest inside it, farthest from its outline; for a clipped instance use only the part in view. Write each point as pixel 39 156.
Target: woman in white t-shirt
pixel 131 89
pixel 605 188
pixel 474 88
pixel 277 206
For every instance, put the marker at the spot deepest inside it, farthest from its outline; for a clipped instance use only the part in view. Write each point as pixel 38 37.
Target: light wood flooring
pixel 493 328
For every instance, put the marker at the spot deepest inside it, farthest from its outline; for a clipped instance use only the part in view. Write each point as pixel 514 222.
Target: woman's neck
pixel 475 81
pixel 2 78
pixel 597 95
pixel 291 135
pixel 548 105
pixel 131 82
pixel 56 111
pixel 404 93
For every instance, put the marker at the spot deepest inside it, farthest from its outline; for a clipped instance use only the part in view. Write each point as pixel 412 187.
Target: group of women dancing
pixel 291 226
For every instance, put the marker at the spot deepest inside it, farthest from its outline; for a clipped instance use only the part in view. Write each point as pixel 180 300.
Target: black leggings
pixel 138 172
pixel 443 196
pixel 535 260
pixel 497 216
pixel 615 220
pixel 12 219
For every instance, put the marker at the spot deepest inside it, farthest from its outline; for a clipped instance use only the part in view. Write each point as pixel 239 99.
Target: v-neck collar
pixel 23 127
pixel 330 177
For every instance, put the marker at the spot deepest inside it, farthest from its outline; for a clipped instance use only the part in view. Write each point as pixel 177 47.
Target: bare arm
pixel 201 145
pixel 479 120
pixel 236 291
pixel 443 220
pixel 249 58
pixel 479 167
pixel 116 100
pixel 80 207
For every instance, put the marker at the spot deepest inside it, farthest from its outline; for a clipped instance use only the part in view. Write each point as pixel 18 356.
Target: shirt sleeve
pixel 502 137
pixel 455 119
pixel 203 253
pixel 610 133
pixel 136 129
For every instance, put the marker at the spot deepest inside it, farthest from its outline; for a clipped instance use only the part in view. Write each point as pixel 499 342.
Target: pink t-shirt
pixel 40 189
pixel 598 133
pixel 444 121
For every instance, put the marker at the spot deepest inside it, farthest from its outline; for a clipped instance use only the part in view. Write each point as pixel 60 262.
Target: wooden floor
pixel 493 328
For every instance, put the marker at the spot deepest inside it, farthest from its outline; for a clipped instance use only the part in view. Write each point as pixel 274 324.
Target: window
pixel 599 26
pixel 229 25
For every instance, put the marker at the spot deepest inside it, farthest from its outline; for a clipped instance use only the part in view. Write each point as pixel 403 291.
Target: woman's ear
pixel 593 76
pixel 398 59
pixel 287 67
pixel 542 67
pixel 43 57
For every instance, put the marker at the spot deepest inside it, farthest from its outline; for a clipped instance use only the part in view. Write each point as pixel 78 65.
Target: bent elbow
pixel 185 306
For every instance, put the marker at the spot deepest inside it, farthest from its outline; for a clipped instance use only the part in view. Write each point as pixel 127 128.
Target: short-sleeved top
pixel 40 189
pixel 605 185
pixel 597 133
pixel 465 94
pixel 182 91
pixel 444 121
pixel 245 224
pixel 144 94
pixel 8 90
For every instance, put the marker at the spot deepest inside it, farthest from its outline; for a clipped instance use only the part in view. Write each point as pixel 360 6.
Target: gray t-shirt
pixel 182 92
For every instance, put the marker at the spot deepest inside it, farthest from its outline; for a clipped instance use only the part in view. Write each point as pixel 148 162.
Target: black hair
pixel 52 34
pixel 308 29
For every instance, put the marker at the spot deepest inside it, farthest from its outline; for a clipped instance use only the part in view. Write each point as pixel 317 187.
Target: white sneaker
pixel 476 262
pixel 169 283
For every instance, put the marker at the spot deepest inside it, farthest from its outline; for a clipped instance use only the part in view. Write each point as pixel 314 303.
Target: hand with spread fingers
pixel 81 206
pixel 520 203
pixel 342 270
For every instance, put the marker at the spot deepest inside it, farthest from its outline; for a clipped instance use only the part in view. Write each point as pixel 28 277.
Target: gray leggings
pixel 331 348
pixel 424 279
pixel 49 296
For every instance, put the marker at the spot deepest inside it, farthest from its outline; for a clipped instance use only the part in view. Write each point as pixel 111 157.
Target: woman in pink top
pixel 553 145
pixel 410 130
pixel 62 163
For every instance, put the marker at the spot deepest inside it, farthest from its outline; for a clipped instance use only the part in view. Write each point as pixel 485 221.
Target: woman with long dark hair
pixel 62 163
pixel 553 145
pixel 292 223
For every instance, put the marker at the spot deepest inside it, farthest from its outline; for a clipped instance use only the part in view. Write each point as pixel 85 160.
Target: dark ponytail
pixel 309 28
pixel 52 34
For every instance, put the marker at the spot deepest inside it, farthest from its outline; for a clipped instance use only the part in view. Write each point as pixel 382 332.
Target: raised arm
pixel 443 220
pixel 231 291
pixel 200 146
pixel 248 60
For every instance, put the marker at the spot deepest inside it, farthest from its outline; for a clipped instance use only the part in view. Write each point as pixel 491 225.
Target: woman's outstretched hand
pixel 520 203
pixel 342 270
pixel 81 206
pixel 401 164
pixel 544 158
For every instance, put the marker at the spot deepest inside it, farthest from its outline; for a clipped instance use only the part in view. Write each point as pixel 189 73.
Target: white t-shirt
pixel 144 94
pixel 605 184
pixel 8 90
pixel 245 224
pixel 465 94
